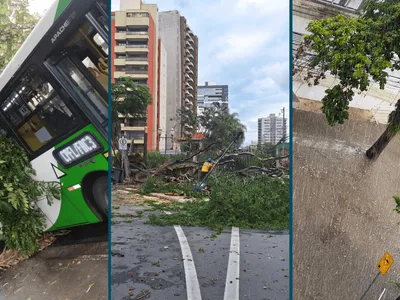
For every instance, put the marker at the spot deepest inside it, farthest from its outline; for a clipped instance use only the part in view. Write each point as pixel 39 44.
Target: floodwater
pixel 344 219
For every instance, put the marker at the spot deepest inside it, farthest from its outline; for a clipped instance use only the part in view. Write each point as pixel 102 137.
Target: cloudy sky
pixel 39 6
pixel 242 43
pixel 245 44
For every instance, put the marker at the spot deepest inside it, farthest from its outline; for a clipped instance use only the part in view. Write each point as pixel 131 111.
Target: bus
pixel 53 102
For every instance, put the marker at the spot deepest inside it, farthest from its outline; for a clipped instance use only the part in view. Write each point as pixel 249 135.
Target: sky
pixel 39 6
pixel 244 44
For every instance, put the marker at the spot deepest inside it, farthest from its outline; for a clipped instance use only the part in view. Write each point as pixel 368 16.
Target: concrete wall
pixel 163 88
pixel 153 10
pixel 343 211
pixel 169 33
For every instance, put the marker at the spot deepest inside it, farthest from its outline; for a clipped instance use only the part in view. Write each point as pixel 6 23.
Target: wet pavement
pixel 343 218
pixel 73 268
pixel 147 261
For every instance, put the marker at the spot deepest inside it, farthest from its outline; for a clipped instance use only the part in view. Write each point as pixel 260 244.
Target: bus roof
pixel 29 44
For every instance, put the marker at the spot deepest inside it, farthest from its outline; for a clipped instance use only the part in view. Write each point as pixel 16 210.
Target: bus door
pixel 81 67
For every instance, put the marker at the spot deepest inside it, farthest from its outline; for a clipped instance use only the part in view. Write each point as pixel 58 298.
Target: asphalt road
pixel 73 268
pixel 148 262
pixel 343 211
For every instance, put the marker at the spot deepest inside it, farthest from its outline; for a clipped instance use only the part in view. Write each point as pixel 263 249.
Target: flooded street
pixel 343 211
pixel 73 268
pixel 147 261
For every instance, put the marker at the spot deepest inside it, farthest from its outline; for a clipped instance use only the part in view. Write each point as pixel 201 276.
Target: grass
pixel 397 200
pixel 257 203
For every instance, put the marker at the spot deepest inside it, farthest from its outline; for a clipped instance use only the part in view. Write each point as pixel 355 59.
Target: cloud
pixel 39 6
pixel 263 7
pixel 245 44
pixel 271 76
pixel 240 45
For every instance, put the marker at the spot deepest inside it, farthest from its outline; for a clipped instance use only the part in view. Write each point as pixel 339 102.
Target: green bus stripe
pixel 62 4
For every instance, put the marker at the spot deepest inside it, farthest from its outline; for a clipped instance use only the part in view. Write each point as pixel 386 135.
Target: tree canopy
pixel 128 99
pixel 218 125
pixel 358 52
pixel 16 22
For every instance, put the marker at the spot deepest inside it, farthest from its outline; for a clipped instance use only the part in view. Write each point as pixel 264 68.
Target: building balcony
pixel 190 79
pixel 188 102
pixel 138 21
pixel 119 62
pixel 189 93
pixel 120 49
pixel 120 36
pixel 118 74
pixel 136 62
pixel 137 49
pixel 132 128
pixel 189 64
pixel 140 35
pixel 137 74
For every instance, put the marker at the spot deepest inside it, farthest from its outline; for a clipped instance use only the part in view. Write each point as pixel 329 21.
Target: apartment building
pixel 379 102
pixel 271 129
pixel 210 93
pixel 181 46
pixel 136 53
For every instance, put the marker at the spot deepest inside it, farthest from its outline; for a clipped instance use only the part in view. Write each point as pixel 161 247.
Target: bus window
pixel 97 104
pixel 37 111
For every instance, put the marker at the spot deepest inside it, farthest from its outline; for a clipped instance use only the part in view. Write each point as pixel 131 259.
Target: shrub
pixel 21 222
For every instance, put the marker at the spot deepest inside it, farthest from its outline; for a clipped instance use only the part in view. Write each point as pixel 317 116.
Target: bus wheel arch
pixel 95 192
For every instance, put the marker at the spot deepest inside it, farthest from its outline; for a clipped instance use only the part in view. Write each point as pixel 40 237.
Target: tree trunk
pixel 378 147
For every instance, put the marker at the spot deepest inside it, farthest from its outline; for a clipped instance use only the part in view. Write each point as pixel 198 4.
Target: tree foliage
pixel 21 222
pixel 218 125
pixel 128 99
pixel 358 52
pixel 16 22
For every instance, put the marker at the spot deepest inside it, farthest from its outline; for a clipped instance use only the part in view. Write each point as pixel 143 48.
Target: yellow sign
pixel 385 263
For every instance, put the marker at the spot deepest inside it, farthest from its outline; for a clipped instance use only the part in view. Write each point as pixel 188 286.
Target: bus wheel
pixel 100 194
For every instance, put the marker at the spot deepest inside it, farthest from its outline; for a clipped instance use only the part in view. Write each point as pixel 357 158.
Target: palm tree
pixel 221 125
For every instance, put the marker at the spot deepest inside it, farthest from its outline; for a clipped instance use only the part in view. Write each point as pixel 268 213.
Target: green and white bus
pixel 53 102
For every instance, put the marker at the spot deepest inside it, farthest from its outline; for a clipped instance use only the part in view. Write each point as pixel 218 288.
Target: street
pixel 343 211
pixel 148 262
pixel 73 268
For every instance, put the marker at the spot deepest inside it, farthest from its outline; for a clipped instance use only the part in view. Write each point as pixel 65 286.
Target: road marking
pixel 232 275
pixel 192 283
pixel 383 292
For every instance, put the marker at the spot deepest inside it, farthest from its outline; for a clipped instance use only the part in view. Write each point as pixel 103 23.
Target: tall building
pixel 135 53
pixel 271 129
pixel 379 102
pixel 210 93
pixel 181 46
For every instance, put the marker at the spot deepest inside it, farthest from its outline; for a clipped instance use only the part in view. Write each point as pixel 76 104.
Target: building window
pixel 137 15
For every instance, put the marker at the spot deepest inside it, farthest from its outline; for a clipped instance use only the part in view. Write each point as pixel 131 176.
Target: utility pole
pixel 165 144
pixel 284 122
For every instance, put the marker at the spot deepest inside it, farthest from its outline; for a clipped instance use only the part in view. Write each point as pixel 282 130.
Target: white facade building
pixel 271 129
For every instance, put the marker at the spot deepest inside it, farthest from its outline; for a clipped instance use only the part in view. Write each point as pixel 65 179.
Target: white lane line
pixel 383 292
pixel 232 275
pixel 192 283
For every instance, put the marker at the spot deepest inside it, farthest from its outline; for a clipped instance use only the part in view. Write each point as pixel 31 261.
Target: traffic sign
pixel 385 263
pixel 123 144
